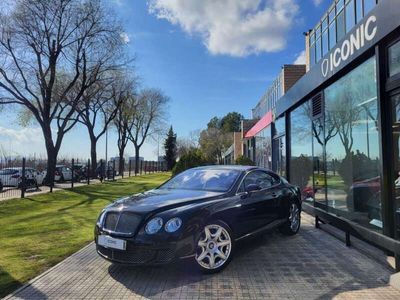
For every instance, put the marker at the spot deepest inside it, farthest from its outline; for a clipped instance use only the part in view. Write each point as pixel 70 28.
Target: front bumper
pixel 139 252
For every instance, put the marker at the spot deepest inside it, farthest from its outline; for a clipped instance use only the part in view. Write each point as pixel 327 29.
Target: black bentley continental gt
pixel 199 214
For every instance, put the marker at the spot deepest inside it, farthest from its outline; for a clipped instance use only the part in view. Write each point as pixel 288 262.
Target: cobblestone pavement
pixel 310 265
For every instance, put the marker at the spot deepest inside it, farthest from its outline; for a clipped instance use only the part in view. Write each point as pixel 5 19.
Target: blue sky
pixel 209 57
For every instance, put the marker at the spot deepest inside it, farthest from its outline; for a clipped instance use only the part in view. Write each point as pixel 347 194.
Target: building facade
pixel 336 132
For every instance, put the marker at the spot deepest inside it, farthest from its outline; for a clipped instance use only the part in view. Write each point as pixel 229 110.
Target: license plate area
pixel 110 242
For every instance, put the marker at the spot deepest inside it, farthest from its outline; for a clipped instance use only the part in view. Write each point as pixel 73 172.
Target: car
pixel 12 177
pixel 39 176
pixel 80 172
pixel 198 214
pixel 62 173
pixel 101 173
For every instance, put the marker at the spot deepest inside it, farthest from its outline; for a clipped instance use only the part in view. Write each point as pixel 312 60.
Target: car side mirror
pixel 252 187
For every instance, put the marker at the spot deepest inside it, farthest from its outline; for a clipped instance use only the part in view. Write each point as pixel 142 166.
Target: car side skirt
pixel 268 227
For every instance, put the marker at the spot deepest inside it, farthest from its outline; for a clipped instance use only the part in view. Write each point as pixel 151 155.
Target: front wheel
pixel 292 225
pixel 214 248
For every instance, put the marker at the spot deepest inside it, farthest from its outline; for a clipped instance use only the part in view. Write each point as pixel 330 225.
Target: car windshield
pixel 218 180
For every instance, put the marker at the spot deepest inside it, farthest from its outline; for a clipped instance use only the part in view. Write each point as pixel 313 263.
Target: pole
pixel 106 146
pixel 130 165
pixel 88 172
pixel 23 181
pixel 73 174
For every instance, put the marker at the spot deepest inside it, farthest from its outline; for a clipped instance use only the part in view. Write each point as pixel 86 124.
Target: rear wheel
pixel 292 225
pixel 214 248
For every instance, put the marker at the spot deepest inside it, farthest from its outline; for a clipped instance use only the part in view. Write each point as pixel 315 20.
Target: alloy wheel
pixel 214 247
pixel 294 217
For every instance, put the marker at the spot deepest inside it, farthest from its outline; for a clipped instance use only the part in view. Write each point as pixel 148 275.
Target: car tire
pixel 292 225
pixel 214 247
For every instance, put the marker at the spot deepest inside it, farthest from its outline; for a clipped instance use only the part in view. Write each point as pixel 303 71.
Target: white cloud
pixel 125 37
pixel 317 2
pixel 301 58
pixel 236 28
pixel 23 135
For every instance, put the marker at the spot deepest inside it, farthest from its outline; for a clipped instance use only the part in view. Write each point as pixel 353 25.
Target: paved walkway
pixel 310 265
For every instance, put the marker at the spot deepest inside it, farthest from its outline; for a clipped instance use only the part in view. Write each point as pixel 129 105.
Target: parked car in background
pixel 199 214
pixel 80 172
pixel 39 176
pixel 63 173
pixel 101 171
pixel 12 177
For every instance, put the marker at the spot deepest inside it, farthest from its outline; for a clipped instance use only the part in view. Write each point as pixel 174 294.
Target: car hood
pixel 161 199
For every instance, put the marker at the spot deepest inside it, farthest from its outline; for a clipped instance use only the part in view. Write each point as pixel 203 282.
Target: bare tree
pixel 123 122
pixel 51 53
pixel 214 142
pixel 98 108
pixel 148 118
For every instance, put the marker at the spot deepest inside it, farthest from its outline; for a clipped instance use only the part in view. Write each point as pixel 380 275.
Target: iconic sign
pixel 364 33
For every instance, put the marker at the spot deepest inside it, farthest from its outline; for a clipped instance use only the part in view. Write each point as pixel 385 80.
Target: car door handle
pixel 274 195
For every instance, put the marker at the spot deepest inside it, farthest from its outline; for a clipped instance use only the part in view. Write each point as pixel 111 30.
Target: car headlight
pixel 173 225
pixel 154 225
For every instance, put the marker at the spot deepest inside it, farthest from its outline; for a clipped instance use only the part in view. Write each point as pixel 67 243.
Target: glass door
pixel 395 105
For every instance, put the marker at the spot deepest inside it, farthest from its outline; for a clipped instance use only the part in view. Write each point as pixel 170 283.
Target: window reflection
pixel 394 59
pixel 301 165
pixel 352 151
pixel 264 148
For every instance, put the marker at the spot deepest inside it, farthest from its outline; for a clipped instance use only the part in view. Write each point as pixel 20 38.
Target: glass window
pixel 368 6
pixel 395 102
pixel 340 26
pixel 220 180
pixel 332 34
pixel 263 156
pixel 332 15
pixel 318 50
pixel 312 54
pixel 339 5
pixel 359 10
pixel 318 163
pixel 260 178
pixel 301 165
pixel 279 126
pixel 350 16
pixel 394 59
pixel 352 147
pixel 325 43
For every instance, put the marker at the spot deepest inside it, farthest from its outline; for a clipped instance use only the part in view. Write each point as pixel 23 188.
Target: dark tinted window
pixel 8 172
pixel 263 179
pixel 394 59
pixel 219 180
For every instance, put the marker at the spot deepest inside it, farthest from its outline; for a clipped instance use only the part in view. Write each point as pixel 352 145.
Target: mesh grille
pixel 317 106
pixel 128 223
pixel 111 220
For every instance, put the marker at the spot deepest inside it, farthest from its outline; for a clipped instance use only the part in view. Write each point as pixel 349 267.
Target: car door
pixel 259 207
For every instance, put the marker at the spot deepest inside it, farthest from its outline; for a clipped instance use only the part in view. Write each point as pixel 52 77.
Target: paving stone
pixel 310 265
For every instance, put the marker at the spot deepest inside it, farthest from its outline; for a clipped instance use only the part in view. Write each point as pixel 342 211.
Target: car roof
pixel 228 167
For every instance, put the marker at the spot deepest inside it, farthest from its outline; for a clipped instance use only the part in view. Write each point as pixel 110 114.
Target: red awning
pixel 260 125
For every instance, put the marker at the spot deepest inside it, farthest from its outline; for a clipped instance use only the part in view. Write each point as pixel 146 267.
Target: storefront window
pixel 301 165
pixel 332 34
pixel 352 147
pixel 394 59
pixel 263 157
pixel 395 99
pixel 279 147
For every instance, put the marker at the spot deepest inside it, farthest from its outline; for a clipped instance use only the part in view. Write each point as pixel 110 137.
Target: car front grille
pixel 138 255
pixel 123 222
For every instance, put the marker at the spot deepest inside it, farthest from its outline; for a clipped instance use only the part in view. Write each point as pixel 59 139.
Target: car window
pixel 8 172
pixel 220 180
pixel 261 178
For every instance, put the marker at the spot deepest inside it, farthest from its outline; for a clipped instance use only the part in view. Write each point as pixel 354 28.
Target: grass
pixel 38 232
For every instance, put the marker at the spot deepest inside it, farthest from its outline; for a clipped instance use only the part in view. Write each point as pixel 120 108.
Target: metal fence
pixel 19 177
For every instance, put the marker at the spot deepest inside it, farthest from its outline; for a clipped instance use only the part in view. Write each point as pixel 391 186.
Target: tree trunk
pixel 121 159
pixel 93 153
pixel 52 153
pixel 137 161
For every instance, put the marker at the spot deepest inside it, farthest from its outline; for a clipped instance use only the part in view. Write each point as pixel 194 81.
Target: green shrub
pixel 193 158
pixel 244 161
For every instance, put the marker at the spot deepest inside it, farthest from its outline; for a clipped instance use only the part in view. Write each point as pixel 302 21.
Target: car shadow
pixel 270 265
